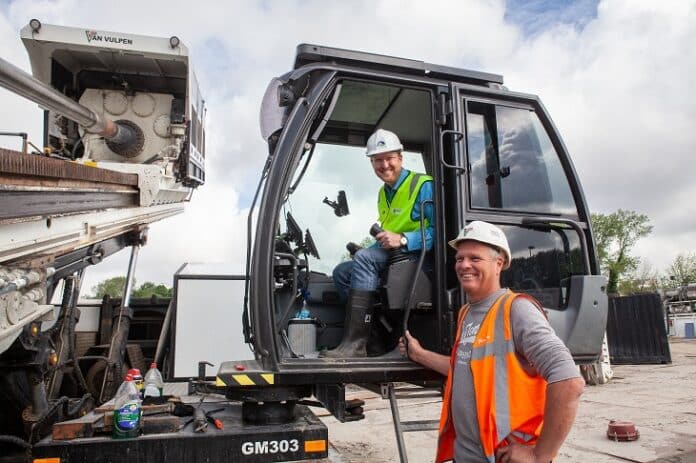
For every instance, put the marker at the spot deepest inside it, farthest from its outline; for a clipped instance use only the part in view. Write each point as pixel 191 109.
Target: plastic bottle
pixel 127 410
pixel 137 380
pixel 153 382
pixel 303 313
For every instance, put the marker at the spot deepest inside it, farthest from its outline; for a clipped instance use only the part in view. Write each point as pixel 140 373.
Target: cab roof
pixel 308 53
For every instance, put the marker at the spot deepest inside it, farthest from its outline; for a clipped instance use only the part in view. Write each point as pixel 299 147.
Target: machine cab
pixel 493 154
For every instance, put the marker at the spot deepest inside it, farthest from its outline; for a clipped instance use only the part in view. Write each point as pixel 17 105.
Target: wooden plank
pixel 149 411
pixel 100 423
pixel 14 162
pixel 156 419
pixel 85 426
pixel 159 424
pixel 108 407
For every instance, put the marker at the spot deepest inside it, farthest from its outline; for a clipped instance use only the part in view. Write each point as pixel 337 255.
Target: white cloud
pixel 619 92
pixel 212 230
pixel 618 89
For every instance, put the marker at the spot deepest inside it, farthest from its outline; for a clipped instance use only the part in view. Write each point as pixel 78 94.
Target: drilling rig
pixel 123 120
pixel 123 146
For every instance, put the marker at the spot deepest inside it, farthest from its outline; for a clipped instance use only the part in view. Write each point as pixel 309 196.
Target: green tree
pixel 365 243
pixel 149 289
pixel 615 236
pixel 112 286
pixel 681 271
pixel 644 279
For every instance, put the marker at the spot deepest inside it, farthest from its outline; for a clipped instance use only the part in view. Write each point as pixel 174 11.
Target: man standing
pixel 512 387
pixel 399 208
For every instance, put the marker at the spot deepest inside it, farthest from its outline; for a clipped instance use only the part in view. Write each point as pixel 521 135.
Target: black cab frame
pixel 494 155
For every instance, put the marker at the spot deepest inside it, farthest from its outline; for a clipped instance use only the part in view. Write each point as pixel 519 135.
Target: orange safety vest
pixel 509 402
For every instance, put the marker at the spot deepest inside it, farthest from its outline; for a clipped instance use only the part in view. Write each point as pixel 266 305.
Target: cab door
pixel 515 172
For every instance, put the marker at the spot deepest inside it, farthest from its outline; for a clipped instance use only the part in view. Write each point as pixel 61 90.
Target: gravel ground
pixel 659 399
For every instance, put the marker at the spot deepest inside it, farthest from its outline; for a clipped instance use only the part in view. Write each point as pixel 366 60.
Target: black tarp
pixel 636 330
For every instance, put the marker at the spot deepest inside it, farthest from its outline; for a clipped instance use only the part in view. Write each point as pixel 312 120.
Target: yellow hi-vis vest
pixel 509 401
pixel 396 216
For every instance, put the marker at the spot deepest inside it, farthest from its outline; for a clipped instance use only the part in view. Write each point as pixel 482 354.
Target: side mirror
pixel 340 206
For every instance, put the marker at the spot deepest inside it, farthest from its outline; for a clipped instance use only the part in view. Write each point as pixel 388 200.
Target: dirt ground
pixel 659 399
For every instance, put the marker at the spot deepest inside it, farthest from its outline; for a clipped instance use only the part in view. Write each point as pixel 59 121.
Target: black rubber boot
pixel 356 327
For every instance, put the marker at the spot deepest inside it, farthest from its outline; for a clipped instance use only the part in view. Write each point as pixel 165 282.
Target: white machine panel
pixel 209 305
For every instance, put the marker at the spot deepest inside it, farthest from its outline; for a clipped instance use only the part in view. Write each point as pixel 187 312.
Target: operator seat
pixel 397 281
pixel 393 294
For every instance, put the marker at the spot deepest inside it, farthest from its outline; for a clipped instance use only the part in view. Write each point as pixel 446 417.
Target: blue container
pixel 689 331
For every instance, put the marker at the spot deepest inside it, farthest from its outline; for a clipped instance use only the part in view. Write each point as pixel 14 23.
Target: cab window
pixel 542 262
pixel 331 202
pixel 513 164
pixel 335 168
pixel 337 162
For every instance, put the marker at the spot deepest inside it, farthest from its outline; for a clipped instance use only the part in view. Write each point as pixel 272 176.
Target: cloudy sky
pixel 616 76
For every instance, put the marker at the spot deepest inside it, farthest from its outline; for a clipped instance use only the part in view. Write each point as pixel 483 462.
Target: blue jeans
pixel 362 272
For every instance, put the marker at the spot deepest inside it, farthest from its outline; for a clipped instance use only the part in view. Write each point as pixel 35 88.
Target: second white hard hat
pixel 383 141
pixel 485 233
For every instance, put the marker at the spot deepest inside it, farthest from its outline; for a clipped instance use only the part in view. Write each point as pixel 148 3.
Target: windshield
pixel 335 168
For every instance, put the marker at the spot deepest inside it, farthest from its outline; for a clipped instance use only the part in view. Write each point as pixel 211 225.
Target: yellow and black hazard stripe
pixel 247 379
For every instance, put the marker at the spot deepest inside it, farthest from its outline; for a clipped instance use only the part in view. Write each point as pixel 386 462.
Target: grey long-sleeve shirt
pixel 538 348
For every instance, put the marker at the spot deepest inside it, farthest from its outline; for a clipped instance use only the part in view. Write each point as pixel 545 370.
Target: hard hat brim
pixel 506 257
pixel 399 149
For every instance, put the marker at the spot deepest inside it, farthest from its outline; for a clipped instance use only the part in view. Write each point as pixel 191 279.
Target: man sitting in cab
pixel 399 209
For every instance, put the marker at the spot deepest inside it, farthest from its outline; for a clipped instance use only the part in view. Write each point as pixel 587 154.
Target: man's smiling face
pixel 478 268
pixel 387 166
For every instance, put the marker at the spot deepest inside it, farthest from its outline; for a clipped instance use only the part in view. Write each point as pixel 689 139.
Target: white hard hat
pixel 485 233
pixel 383 141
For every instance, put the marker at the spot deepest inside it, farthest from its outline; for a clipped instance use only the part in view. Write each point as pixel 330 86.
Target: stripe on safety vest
pixel 498 349
pixel 502 394
pixel 522 436
pixel 493 349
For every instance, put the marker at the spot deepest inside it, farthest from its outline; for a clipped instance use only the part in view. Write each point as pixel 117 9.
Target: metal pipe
pixel 396 419
pixel 159 352
pixel 130 277
pixel 39 401
pixel 119 337
pixel 21 83
pixel 62 343
pixel 421 259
